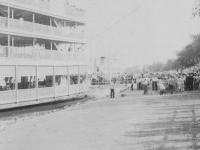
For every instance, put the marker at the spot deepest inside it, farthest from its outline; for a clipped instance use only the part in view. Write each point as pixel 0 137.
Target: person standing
pixel 176 83
pixel 171 83
pixel 138 83
pixel 179 84
pixel 145 86
pixel 191 82
pixel 132 82
pixel 187 83
pixel 112 90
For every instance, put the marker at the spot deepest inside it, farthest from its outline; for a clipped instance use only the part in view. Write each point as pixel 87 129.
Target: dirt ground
pixel 132 122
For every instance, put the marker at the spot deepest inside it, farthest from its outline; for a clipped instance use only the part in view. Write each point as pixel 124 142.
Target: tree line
pixel 187 57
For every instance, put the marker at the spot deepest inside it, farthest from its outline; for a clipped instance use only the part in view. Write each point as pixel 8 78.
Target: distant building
pixel 107 65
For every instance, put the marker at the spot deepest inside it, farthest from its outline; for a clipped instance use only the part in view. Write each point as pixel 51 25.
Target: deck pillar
pixel 12 14
pixel 79 78
pixel 51 50
pixel 87 80
pixel 68 78
pixel 8 17
pixel 8 46
pixel 36 82
pixel 33 18
pixel 16 85
pixel 54 81
pixel 13 45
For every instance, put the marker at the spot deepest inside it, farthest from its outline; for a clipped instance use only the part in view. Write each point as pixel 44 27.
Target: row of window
pixel 26 76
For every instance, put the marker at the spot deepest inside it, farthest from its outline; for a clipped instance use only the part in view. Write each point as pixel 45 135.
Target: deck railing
pixel 3 22
pixel 32 53
pixel 11 93
pixel 38 28
pixel 3 51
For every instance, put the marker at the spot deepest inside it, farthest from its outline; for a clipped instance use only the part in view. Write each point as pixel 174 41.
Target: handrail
pixel 38 28
pixel 39 53
pixel 3 22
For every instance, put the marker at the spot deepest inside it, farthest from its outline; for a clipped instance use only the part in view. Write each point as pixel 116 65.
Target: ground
pixel 132 122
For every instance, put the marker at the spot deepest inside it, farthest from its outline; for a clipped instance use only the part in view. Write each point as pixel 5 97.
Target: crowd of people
pixel 166 82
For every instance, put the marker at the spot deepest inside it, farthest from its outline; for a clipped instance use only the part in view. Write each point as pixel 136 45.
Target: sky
pixel 153 31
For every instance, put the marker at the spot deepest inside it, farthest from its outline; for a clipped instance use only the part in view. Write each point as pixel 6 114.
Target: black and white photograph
pixel 99 74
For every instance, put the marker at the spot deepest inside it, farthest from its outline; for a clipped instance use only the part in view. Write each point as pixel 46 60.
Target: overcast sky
pixel 154 32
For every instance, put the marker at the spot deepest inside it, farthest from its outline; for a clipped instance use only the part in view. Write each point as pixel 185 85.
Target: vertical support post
pixel 16 85
pixel 8 18
pixel 54 82
pixel 12 14
pixel 50 22
pixel 36 82
pixel 8 46
pixel 12 41
pixel 74 52
pixel 51 50
pixel 70 51
pixel 33 18
pixel 79 78
pixel 34 50
pixel 87 80
pixel 68 78
pixel 13 44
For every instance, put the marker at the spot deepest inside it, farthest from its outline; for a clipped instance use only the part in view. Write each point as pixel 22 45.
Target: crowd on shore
pixel 166 82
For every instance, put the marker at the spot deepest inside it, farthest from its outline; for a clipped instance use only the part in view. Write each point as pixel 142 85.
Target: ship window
pixel 7 78
pixel 45 77
pixel 26 77
pixel 61 76
pixel 73 71
pixel 83 72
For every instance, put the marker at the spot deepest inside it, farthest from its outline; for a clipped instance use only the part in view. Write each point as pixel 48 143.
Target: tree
pixel 196 9
pixel 133 70
pixel 156 67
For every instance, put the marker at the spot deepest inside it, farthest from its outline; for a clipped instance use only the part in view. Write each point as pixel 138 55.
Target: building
pixel 41 51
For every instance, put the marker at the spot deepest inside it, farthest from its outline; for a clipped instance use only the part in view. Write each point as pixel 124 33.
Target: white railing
pixel 39 28
pixel 57 55
pixel 3 51
pixel 83 87
pixel 74 89
pixel 21 52
pixel 62 90
pixel 3 22
pixel 7 97
pixel 38 53
pixel 30 94
pixel 46 92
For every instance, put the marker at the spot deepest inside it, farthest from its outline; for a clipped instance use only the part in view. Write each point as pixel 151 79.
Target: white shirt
pixel 112 85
